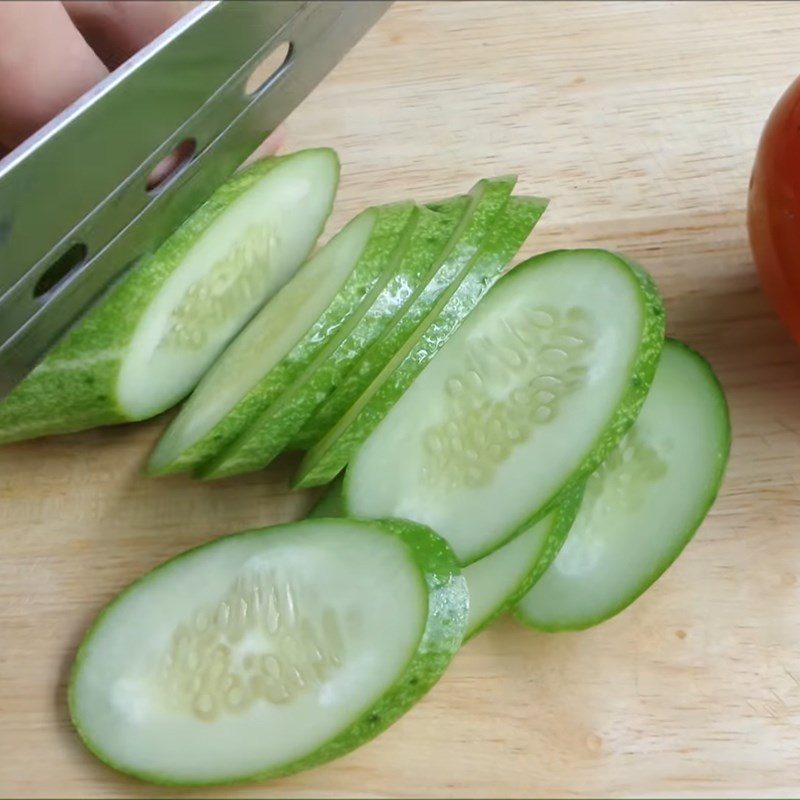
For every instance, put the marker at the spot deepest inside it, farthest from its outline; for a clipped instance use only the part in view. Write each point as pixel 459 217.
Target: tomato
pixel 773 209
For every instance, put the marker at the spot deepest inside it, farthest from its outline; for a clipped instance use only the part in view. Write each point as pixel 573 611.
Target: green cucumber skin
pixel 267 435
pixel 448 604
pixel 387 235
pixel 651 578
pixel 330 456
pixel 564 517
pixel 74 388
pixel 330 504
pixel 488 198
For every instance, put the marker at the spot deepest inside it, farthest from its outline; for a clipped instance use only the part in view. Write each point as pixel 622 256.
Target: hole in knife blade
pixel 268 68
pixel 171 164
pixel 61 268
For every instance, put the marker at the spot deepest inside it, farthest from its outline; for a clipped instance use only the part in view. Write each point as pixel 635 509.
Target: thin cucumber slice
pixel 147 343
pixel 644 503
pixel 498 581
pixel 488 198
pixel 284 338
pixel 268 433
pixel 329 457
pixel 523 402
pixel 268 652
pixel 331 503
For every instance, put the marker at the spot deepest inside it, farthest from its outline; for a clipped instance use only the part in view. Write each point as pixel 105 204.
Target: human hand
pixel 52 52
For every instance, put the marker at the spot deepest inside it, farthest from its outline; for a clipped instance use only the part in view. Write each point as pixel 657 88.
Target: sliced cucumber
pixel 488 199
pixel 148 342
pixel 523 402
pixel 644 503
pixel 268 434
pixel 283 338
pixel 268 652
pixel 498 581
pixel 326 459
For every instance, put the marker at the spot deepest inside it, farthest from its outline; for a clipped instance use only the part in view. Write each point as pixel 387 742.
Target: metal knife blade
pixel 79 186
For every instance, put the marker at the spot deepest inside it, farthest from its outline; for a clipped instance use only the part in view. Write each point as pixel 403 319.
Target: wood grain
pixel 639 120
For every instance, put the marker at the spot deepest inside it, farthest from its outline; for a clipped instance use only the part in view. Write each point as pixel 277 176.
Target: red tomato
pixel 773 209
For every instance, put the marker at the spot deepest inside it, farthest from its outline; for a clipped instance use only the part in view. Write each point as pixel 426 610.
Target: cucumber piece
pixel 150 339
pixel 643 504
pixel 522 403
pixel 488 198
pixel 268 652
pixel 268 434
pixel 498 581
pixel 283 338
pixel 329 457
pixel 330 504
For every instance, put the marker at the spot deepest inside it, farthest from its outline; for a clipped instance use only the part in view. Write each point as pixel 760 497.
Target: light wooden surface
pixel 639 120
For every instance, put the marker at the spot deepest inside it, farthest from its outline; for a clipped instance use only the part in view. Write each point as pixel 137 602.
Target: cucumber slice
pixel 524 401
pixel 329 457
pixel 268 652
pixel 498 581
pixel 283 338
pixel 147 343
pixel 644 503
pixel 268 434
pixel 488 198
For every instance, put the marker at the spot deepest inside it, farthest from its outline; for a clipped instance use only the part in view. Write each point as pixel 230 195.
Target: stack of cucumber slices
pixel 527 442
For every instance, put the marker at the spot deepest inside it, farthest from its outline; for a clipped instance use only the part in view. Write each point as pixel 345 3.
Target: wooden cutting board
pixel 640 121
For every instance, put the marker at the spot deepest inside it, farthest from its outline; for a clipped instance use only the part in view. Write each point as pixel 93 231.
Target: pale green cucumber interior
pixel 643 504
pixel 250 652
pixel 248 252
pixel 493 578
pixel 268 337
pixel 510 407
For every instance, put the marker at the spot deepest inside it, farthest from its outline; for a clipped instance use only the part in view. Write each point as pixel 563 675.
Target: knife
pixel 76 209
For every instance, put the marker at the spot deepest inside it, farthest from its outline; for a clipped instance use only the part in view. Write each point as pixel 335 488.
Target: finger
pixel 45 64
pixel 116 29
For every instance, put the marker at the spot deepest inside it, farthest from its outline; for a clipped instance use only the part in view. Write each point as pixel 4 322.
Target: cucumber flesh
pixel 269 433
pixel 488 198
pixel 522 403
pixel 282 339
pixel 145 345
pixel 330 456
pixel 498 581
pixel 267 652
pixel 643 504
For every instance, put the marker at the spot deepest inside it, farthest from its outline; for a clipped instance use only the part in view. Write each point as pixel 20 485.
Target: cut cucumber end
pixel 269 651
pixel 151 337
pixel 251 249
pixel 644 503
pixel 271 334
pixel 525 399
